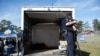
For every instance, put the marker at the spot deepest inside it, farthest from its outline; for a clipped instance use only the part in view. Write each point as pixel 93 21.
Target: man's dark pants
pixel 69 37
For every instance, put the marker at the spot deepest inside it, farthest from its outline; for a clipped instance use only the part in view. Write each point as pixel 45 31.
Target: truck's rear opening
pixel 42 29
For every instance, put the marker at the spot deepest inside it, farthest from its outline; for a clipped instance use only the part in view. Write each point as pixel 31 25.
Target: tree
pixel 80 26
pixel 86 25
pixel 4 23
pixel 9 23
pixel 96 24
pixel 18 29
pixel 1 27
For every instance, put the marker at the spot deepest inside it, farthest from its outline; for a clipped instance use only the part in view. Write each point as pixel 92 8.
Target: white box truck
pixel 41 25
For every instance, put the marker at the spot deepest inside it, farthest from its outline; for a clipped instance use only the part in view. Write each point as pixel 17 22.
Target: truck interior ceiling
pixel 42 29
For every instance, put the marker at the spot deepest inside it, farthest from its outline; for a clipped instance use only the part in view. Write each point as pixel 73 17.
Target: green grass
pixel 91 47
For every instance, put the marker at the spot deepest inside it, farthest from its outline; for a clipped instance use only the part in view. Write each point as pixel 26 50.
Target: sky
pixel 85 10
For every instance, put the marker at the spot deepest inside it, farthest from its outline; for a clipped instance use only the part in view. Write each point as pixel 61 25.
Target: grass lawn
pixel 91 47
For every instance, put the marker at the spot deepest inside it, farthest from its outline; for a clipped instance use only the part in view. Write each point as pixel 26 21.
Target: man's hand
pixel 74 28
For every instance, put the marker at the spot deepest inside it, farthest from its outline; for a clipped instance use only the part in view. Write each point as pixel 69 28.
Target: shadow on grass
pixel 82 53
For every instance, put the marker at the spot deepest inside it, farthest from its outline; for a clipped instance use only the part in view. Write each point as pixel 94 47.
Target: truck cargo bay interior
pixel 42 29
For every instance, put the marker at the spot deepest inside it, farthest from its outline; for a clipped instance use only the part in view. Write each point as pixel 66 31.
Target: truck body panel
pixel 43 25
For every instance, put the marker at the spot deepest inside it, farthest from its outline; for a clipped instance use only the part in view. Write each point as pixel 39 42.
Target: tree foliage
pixel 80 26
pixel 96 24
pixel 4 23
pixel 86 25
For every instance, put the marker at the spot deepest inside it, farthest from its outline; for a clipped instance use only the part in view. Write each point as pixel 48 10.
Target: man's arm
pixel 70 23
pixel 74 28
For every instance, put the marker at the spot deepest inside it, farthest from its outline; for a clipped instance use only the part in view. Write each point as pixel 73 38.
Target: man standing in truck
pixel 68 31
